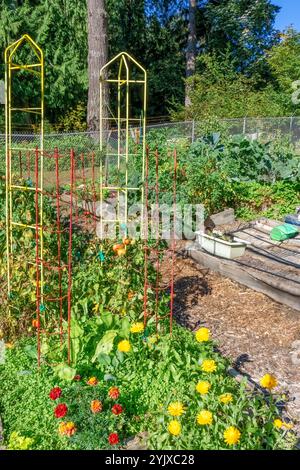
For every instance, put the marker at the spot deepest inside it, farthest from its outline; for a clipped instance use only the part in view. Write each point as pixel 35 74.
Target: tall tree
pixel 246 28
pixel 97 57
pixel 191 50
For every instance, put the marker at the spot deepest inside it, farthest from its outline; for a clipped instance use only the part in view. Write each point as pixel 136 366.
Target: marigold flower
pixel 231 435
pixel 67 429
pixel 204 417
pixel 9 345
pixel 130 295
pixel 203 387
pixel 61 428
pixel 117 409
pixel 176 409
pixel 277 423
pixel 124 346
pixel 174 427
pixel 281 424
pixel 113 439
pixel 92 381
pixel 55 393
pixel 114 393
pixel 226 398
pixel 61 410
pixel 208 365
pixel 35 323
pixel 202 335
pixel 77 378
pixel 268 381
pixel 137 327
pixel 96 406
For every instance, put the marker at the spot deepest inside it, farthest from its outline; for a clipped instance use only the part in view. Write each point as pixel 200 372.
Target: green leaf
pixel 105 345
pixel 31 351
pixel 125 328
pixel 103 359
pixel 65 372
pixel 107 319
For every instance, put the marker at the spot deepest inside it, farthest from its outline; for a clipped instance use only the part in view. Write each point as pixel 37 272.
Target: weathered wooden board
pixel 250 277
pixel 224 217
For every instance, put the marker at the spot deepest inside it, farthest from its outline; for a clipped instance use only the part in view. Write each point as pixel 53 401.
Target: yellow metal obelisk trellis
pixel 128 79
pixel 13 65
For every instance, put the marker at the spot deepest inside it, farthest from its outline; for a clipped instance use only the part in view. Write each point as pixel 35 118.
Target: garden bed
pixel 255 332
pixel 126 380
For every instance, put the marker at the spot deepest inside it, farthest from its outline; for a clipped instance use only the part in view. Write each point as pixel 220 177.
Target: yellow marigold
pixel 137 327
pixel 61 428
pixel 268 381
pixel 281 424
pixel 277 423
pixel 208 365
pixel 226 398
pixel 124 346
pixel 176 409
pixel 202 335
pixel 203 387
pixel 174 427
pixel 92 381
pixel 232 435
pixel 204 417
pixel 67 429
pixel 96 406
pixel 9 345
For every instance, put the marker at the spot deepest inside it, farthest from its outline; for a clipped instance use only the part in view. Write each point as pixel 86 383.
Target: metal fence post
pixel 193 131
pixel 244 126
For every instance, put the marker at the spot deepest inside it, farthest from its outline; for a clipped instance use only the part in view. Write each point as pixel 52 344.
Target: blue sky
pixel 289 14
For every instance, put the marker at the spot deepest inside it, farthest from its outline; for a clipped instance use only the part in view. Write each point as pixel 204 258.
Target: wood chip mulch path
pixel 258 334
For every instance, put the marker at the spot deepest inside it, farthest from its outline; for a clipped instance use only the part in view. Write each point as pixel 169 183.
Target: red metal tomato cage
pixel 62 189
pixel 159 252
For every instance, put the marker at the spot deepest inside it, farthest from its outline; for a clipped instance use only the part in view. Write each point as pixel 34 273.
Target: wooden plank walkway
pixel 269 267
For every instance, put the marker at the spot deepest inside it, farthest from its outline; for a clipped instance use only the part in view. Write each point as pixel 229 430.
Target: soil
pixel 256 333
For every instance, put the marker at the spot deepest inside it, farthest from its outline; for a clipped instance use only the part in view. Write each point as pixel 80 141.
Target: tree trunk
pixel 97 57
pixel 191 50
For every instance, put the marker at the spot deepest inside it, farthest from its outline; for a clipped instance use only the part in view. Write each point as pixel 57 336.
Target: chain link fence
pixel 262 129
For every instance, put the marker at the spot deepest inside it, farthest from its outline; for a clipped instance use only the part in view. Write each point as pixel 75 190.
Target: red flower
pixel 113 439
pixel 117 409
pixel 55 393
pixel 114 393
pixel 61 410
pixel 77 378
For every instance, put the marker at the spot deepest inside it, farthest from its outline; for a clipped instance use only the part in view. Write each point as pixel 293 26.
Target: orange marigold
pixel 67 429
pixel 92 381
pixel 96 406
pixel 114 393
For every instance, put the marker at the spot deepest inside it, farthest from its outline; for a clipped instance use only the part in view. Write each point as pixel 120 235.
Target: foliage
pixel 74 120
pixel 273 201
pixel 158 371
pixel 18 442
pixel 255 178
pixel 155 32
pixel 284 63
pixel 245 29
pixel 221 90
pixel 110 345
